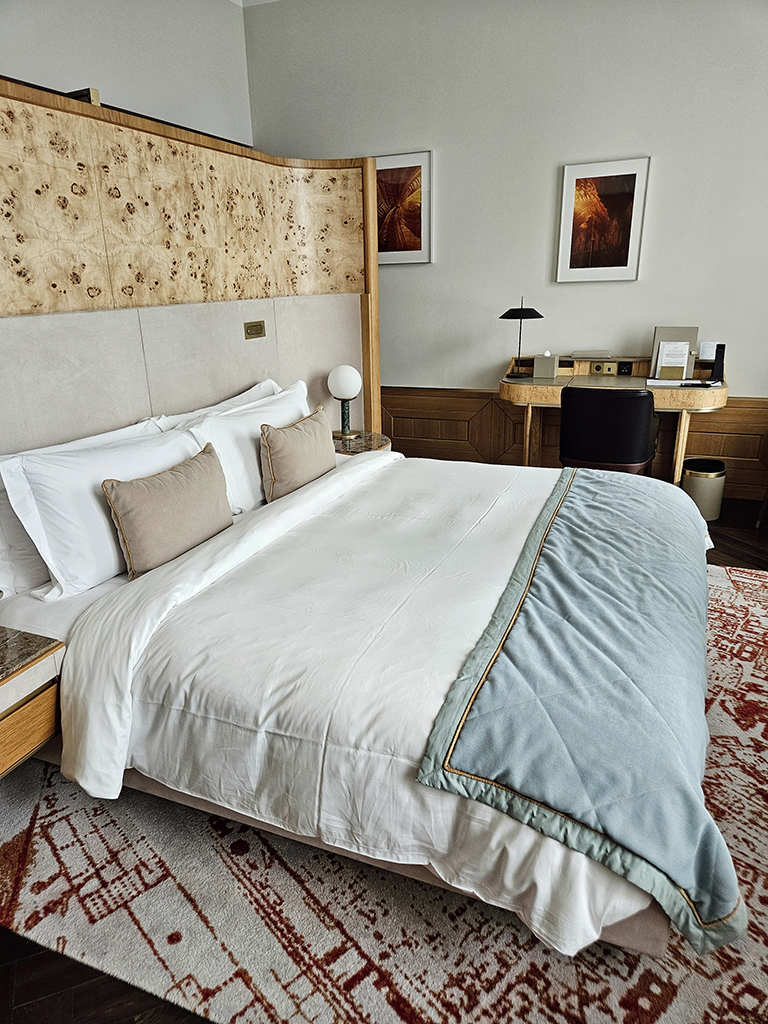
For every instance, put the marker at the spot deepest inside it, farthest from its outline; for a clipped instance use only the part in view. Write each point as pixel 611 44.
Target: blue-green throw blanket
pixel 580 711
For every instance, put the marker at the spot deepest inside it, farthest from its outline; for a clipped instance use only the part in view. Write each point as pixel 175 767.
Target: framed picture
pixel 674 352
pixel 602 220
pixel 404 201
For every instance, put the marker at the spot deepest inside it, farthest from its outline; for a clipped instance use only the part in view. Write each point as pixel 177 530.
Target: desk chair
pixel 608 428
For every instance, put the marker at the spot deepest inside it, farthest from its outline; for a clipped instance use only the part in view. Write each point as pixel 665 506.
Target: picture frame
pixel 404 204
pixel 601 220
pixel 674 352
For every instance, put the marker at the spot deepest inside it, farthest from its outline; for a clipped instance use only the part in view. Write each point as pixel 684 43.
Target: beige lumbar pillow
pixel 161 516
pixel 292 456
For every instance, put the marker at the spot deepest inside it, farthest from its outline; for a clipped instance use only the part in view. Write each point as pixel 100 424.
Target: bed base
pixel 644 932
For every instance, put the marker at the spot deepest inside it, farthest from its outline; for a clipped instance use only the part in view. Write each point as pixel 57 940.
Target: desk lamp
pixel 344 383
pixel 521 313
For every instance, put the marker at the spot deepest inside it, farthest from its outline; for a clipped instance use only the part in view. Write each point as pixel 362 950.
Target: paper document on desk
pixel 689 382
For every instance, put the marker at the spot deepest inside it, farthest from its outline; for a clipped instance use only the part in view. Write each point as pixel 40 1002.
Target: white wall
pixel 181 61
pixel 505 92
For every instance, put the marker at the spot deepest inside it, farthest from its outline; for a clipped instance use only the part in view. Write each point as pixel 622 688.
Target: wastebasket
pixel 704 480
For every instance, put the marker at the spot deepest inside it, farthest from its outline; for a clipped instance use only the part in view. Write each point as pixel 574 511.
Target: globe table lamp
pixel 520 313
pixel 344 383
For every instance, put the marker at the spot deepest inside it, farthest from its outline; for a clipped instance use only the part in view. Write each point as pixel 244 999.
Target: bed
pixel 315 665
pixel 292 669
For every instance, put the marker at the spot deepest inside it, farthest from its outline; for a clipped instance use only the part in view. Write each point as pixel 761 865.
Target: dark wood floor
pixel 38 986
pixel 736 540
pixel 41 987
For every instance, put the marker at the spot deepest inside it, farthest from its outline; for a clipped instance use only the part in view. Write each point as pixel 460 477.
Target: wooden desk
pixel 536 393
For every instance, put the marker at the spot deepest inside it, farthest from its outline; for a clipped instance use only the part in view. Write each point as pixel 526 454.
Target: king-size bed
pixel 488 677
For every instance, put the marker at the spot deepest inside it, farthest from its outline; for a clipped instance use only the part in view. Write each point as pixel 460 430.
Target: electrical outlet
pixel 625 368
pixel 603 369
pixel 255 329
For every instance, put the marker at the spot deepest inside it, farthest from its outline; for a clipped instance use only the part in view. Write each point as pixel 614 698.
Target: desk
pixel 536 393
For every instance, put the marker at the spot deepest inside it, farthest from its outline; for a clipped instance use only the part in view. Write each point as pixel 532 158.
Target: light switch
pixel 255 329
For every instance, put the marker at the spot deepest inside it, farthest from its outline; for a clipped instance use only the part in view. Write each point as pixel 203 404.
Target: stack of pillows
pixel 74 515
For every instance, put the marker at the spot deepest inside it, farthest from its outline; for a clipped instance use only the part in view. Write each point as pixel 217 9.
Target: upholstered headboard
pixel 141 250
pixel 68 375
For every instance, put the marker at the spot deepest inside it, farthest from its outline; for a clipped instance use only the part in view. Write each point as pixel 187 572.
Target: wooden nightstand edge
pixel 53 681
pixel 30 664
pixel 38 720
pixel 32 753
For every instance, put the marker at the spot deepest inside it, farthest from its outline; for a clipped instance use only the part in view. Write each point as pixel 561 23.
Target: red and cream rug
pixel 240 926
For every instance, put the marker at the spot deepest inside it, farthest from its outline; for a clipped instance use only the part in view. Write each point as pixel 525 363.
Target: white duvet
pixel 291 669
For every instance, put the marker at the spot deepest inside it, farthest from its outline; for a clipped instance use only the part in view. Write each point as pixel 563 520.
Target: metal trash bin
pixel 704 480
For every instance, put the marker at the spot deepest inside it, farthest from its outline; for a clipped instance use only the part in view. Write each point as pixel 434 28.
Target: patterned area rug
pixel 236 925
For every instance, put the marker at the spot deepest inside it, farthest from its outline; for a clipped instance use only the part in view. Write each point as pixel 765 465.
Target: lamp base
pixel 346 434
pixel 516 375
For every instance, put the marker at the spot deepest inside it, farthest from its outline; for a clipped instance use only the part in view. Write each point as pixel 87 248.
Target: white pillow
pixel 236 436
pixel 59 500
pixel 264 389
pixel 21 566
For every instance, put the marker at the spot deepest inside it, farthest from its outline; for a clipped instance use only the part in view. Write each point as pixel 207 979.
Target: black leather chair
pixel 608 428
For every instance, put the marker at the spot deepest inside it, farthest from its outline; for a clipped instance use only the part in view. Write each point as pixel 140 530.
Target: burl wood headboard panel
pixel 101 209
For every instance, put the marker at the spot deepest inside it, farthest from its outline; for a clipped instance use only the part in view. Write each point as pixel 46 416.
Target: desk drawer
pixel 29 727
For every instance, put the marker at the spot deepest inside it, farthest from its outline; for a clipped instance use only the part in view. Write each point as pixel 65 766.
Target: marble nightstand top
pixel 364 442
pixel 19 650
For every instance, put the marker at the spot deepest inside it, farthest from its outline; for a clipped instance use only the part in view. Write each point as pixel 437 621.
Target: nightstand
pixel 29 694
pixel 364 442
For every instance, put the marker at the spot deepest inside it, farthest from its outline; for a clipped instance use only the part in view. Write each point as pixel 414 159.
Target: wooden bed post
pixel 369 301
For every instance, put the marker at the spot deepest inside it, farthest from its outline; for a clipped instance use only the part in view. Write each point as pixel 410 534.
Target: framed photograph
pixel 602 220
pixel 404 201
pixel 674 352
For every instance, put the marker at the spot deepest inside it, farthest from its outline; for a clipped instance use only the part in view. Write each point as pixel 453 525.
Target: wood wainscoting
pixel 477 426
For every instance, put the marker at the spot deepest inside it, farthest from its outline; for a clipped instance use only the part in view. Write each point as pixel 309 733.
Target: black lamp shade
pixel 522 313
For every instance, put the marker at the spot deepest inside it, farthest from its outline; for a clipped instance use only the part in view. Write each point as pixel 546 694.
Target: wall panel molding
pixel 477 426
pixel 733 434
pixel 471 426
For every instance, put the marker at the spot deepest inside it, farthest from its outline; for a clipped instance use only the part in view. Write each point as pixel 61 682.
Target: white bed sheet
pixel 52 618
pixel 341 616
